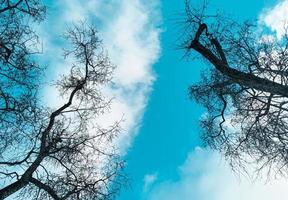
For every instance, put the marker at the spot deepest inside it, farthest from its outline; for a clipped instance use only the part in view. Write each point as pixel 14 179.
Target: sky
pixel 160 141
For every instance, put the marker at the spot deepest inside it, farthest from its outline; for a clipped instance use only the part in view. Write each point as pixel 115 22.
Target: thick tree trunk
pixel 23 181
pixel 12 188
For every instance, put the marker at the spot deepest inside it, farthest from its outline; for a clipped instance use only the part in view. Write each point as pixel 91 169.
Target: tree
pixel 245 91
pixel 57 153
pixel 17 43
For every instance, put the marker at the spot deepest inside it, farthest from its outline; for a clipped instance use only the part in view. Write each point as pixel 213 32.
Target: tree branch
pixel 239 77
pixel 9 7
pixel 45 187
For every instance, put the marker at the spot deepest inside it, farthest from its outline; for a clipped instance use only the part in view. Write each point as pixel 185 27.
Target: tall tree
pixel 57 153
pixel 245 90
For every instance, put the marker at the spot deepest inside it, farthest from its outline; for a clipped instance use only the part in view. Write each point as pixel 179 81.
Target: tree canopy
pixel 48 153
pixel 245 90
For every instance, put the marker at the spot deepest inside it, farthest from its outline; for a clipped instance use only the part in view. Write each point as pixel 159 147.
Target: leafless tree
pixel 18 74
pixel 60 153
pixel 245 91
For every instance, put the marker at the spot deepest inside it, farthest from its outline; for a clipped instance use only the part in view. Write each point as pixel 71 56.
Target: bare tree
pixel 19 73
pixel 58 153
pixel 245 91
pixel 18 42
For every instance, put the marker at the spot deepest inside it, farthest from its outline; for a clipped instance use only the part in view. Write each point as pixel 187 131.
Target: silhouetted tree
pixel 60 153
pixel 245 91
pixel 17 43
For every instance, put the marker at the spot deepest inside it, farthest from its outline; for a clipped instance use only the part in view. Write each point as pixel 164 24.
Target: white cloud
pixel 149 179
pixel 205 176
pixel 276 18
pixel 131 37
pixel 133 44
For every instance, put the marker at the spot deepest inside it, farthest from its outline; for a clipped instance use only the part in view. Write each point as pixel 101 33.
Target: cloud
pixel 276 18
pixel 133 44
pixel 131 37
pixel 149 179
pixel 204 175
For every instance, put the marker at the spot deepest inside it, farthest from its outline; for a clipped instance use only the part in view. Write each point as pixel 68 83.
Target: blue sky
pixel 160 140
